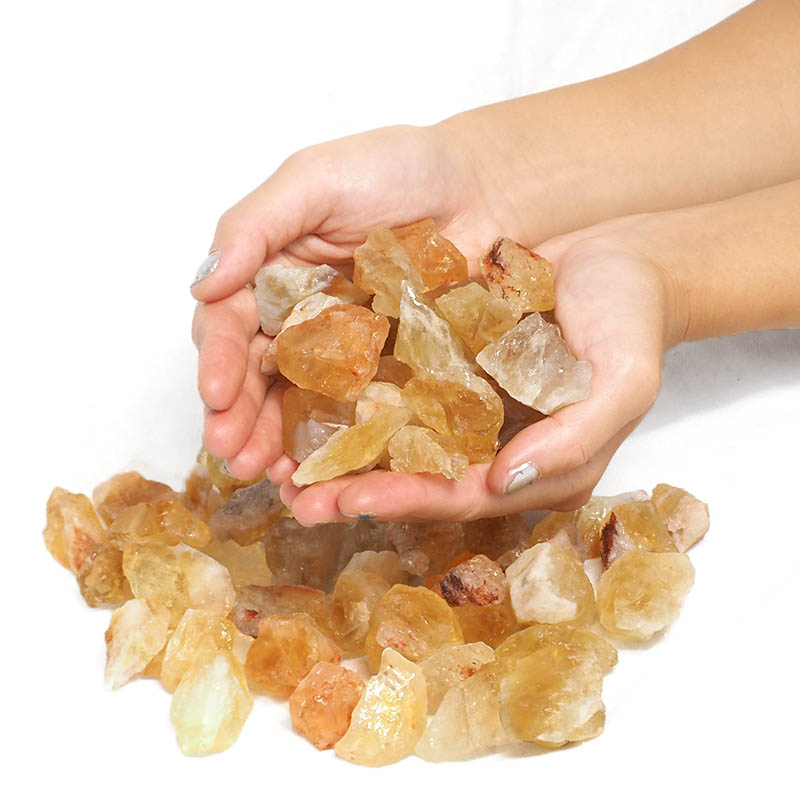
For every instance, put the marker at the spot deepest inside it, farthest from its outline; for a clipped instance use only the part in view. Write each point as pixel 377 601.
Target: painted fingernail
pixel 207 267
pixel 361 515
pixel 521 476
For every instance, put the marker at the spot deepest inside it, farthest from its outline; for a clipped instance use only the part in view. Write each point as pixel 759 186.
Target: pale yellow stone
pixel 416 449
pixel 72 529
pixel 386 563
pixel 246 565
pixel 452 665
pixel 519 276
pixel 632 526
pixel 685 516
pixel 377 394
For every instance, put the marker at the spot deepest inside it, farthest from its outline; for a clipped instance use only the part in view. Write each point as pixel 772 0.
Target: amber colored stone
pixel 641 593
pixel 519 276
pixel 416 449
pixel 478 581
pixel 211 704
pixel 412 620
pixel 255 603
pixel 548 584
pixel 377 395
pixel 246 565
pixel 286 648
pixel 685 516
pixel 553 524
pixel 354 600
pixel 197 633
pixel 352 449
pixel 450 666
pixel 72 528
pixel 248 514
pixel 308 308
pixel 516 416
pixel 127 489
pixel 136 633
pixel 386 563
pixel 153 668
pixel 100 578
pixel 309 419
pixel 495 535
pixel 335 353
pixel 436 542
pixel 390 370
pixel 322 704
pixel 467 411
pixel 488 624
pixel 224 482
pixel 164 521
pixel 477 316
pixel 634 526
pixel 435 259
pixel 200 495
pixel 390 717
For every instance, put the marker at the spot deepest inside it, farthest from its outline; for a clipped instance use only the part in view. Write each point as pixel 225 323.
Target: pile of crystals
pixel 456 638
pixel 435 376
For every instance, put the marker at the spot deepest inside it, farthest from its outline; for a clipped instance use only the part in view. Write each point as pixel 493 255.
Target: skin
pixel 707 125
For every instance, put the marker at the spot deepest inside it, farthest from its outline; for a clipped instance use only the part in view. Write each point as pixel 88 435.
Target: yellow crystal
pixel 127 489
pixel 100 578
pixel 255 603
pixel 72 528
pixel 248 513
pixel 354 600
pixel 309 419
pixel 478 581
pixel 416 449
pixel 164 521
pixel 386 563
pixel 685 516
pixel 246 565
pixel 377 394
pixel 450 666
pixel 488 624
pixel 519 276
pixel 631 526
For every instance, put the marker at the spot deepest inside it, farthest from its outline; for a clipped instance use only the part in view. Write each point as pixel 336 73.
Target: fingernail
pixel 225 469
pixel 357 516
pixel 207 267
pixel 521 476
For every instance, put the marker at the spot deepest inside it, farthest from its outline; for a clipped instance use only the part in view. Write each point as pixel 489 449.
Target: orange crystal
pixel 309 419
pixel 164 521
pixel 488 624
pixel 519 276
pixel 435 259
pixel 100 578
pixel 255 603
pixel 248 514
pixel 685 516
pixel 72 529
pixel 390 370
pixel 416 449
pixel 354 601
pixel 127 489
pixel 634 526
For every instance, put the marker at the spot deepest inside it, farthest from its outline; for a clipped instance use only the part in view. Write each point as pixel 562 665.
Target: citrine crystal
pixel 478 581
pixel 127 489
pixel 417 449
pixel 377 394
pixel 100 578
pixel 519 276
pixel 255 603
pixel 220 477
pixel 248 514
pixel 495 535
pixel 390 370
pixel 164 521
pixel 310 419
pixel 450 666
pixel 200 495
pixel 436 542
pixel 308 308
pixel 685 516
pixel 246 565
pixel 488 624
pixel 72 529
pixel 386 563
pixel 435 259
pixel 354 599
pixel 634 526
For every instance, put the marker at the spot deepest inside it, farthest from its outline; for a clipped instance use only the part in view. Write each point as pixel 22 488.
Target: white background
pixel 127 129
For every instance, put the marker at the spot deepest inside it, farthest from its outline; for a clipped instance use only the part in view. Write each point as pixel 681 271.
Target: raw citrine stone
pixel 435 259
pixel 477 316
pixel 248 514
pixel 164 521
pixel 390 717
pixel 246 565
pixel 516 416
pixel 197 633
pixel 555 523
pixel 322 704
pixel 377 395
pixel 488 624
pixel 352 449
pixel 450 666
pixel 224 482
pixel 685 516
pixel 100 578
pixel 308 308
pixel 463 408
pixel 390 370
pixel 412 620
pixel 519 276
pixel 478 581
pixel 634 526
pixel 310 419
pixel 178 577
pixel 286 648
pixel 354 600
pixel 548 584
pixel 200 495
pixel 136 633
pixel 127 489
pixel 386 563
pixel 496 535
pixel 589 519
pixel 416 449
pixel 211 704
pixel 72 528
pixel 255 603
pixel 641 593
pixel 437 542
pixel 335 353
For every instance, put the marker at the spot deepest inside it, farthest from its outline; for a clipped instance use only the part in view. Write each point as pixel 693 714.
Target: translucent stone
pixel 685 516
pixel 641 593
pixel 477 316
pixel 634 526
pixel 246 565
pixel 309 419
pixel 412 620
pixel 377 395
pixel 436 542
pixel 178 577
pixel 416 449
pixel 452 665
pixel 100 578
pixel 255 603
pixel 136 633
pixel 478 581
pixel 534 365
pixel 354 601
pixel 435 259
pixel 279 287
pixel 390 370
pixel 352 449
pixel 466 410
pixel 72 528
pixel 286 648
pixel 516 416
pixel 385 563
pixel 308 308
pixel 322 704
pixel 200 495
pixel 164 521
pixel 555 523
pixel 127 489
pixel 589 519
pixel 335 353
pixel 197 633
pixel 495 535
pixel 248 514
pixel 548 584
pixel 488 624
pixel 224 482
pixel 519 276
pixel 390 717
pixel 211 704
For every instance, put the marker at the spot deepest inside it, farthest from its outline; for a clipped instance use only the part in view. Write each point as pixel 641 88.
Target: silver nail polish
pixel 207 267
pixel 521 476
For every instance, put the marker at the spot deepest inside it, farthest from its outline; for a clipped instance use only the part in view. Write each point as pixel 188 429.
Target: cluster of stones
pixel 443 640
pixel 431 378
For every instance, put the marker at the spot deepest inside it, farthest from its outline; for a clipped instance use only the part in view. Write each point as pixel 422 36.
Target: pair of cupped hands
pixel 613 305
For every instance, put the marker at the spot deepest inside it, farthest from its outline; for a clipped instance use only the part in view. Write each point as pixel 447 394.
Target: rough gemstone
pixel 436 542
pixel 335 353
pixel 534 365
pixel 477 316
pixel 248 514
pixel 435 259
pixel 516 416
pixel 322 704
pixel 308 308
pixel 495 535
pixel 390 717
pixel 255 603
pixel 246 565
pixel 450 666
pixel 164 521
pixel 519 276
pixel 72 528
pixel 211 704
pixel 641 593
pixel 634 526
pixel 589 519
pixel 390 370
pixel 412 620
pixel 353 448
pixel 136 633
pixel 354 600
pixel 386 563
pixel 100 578
pixel 126 489
pixel 377 395
pixel 548 584
pixel 478 581
pixel 417 449
pixel 200 495
pixel 309 419
pixel 286 648
pixel 488 624
pixel 685 516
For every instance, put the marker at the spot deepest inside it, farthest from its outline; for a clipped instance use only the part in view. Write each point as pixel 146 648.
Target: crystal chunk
pixel 310 419
pixel 127 489
pixel 377 395
pixel 100 578
pixel 519 276
pixel 354 601
pixel 435 259
pixel 685 516
pixel 450 666
pixel 255 603
pixel 164 521
pixel 248 514
pixel 416 449
pixel 478 581
pixel 246 565
pixel 634 526
pixel 72 528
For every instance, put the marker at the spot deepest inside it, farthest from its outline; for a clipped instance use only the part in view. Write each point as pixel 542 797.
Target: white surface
pixel 127 130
